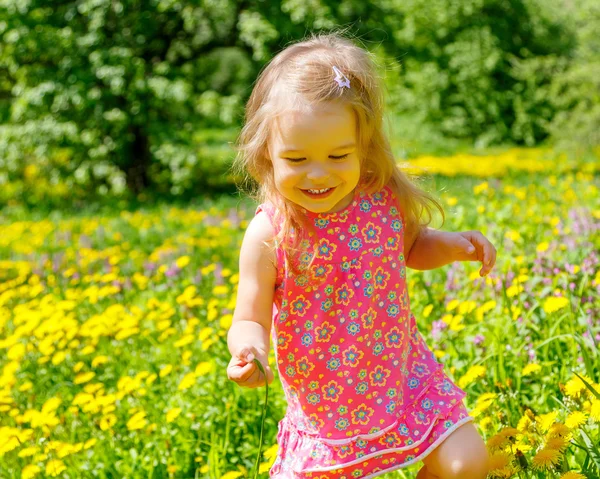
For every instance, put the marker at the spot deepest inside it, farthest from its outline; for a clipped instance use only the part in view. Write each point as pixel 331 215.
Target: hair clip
pixel 341 79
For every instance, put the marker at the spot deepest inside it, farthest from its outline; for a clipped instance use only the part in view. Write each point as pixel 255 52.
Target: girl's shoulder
pixel 267 213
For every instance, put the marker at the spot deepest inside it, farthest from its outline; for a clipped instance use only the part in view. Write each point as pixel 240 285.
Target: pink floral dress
pixel 365 394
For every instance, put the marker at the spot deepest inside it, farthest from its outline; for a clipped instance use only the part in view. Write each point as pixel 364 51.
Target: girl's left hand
pixel 473 246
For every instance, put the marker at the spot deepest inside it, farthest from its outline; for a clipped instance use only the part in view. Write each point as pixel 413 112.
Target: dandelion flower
pixel 509 432
pixel 499 460
pixel 54 467
pixel 471 375
pixel 546 458
pixel 546 420
pixel 30 471
pixel 90 443
pixel 559 430
pixel 173 413
pixel 531 368
pixel 137 421
pixel 575 386
pixel 558 443
pixel 554 303
pixel 572 475
pixel 576 419
pixel 84 377
pixel 204 368
pixel 232 475
pixel 187 382
pixel 496 441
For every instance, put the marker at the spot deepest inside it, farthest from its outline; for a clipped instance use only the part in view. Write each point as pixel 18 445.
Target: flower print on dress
pixel 332 391
pixel 352 355
pixel 420 369
pixel 355 244
pixel 379 375
pixel 371 233
pixel 368 318
pixel 304 366
pixel 300 306
pixel 362 414
pixel 343 295
pixel 283 340
pixel 324 332
pixel 321 223
pixel 381 278
pixel 380 198
pixel 333 364
pixel 326 249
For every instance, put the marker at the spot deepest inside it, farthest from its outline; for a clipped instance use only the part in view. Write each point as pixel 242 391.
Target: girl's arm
pixel 249 334
pixel 428 248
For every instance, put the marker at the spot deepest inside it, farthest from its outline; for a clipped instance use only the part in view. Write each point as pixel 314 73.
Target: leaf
pixel 588 385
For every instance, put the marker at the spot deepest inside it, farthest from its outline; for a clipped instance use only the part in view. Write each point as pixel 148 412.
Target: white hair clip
pixel 341 79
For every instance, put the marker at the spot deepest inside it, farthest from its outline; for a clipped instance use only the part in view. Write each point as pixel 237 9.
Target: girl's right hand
pixel 243 370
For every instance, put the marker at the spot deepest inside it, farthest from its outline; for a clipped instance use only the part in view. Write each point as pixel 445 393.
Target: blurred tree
pixel 112 93
pixel 461 61
pixel 576 91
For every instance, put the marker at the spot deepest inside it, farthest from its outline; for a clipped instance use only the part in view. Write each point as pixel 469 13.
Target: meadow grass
pixel 113 333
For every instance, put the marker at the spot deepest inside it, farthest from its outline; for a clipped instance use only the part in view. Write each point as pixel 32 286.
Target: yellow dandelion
pixel 182 262
pixel 558 443
pixel 524 423
pixel 509 432
pixel 554 303
pixel 204 368
pixel 531 368
pixel 165 370
pixel 546 420
pixel 28 451
pixel 187 382
pixel 173 413
pixel 54 467
pixel 496 441
pixel 137 421
pixel 572 475
pixel 471 375
pixel 108 421
pixel 90 443
pixel 559 430
pixel 30 471
pixel 576 419
pixel 499 460
pixel 84 377
pixel 546 458
pixel 575 386
pixel 232 475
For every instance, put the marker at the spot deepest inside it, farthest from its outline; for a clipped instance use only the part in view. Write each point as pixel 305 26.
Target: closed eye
pixel 339 157
pixel 295 160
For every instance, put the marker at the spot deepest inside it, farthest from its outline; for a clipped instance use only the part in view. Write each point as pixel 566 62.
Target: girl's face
pixel 315 156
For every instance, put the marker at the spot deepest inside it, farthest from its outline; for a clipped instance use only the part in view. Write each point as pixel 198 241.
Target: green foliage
pixel 110 97
pixel 464 65
pixel 576 91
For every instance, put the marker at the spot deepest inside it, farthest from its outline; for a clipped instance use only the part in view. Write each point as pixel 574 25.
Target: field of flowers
pixel 113 331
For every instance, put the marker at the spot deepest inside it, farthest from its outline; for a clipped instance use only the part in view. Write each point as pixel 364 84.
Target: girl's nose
pixel 317 173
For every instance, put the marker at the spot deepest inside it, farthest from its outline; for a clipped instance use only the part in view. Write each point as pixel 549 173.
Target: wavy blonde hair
pixel 301 75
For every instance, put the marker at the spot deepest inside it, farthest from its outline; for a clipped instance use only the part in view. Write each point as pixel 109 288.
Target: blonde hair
pixel 302 73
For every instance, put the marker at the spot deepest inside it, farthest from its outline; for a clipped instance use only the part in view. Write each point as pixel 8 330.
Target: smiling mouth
pixel 319 192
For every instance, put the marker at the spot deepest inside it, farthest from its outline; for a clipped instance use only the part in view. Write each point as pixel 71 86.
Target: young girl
pixel 323 270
